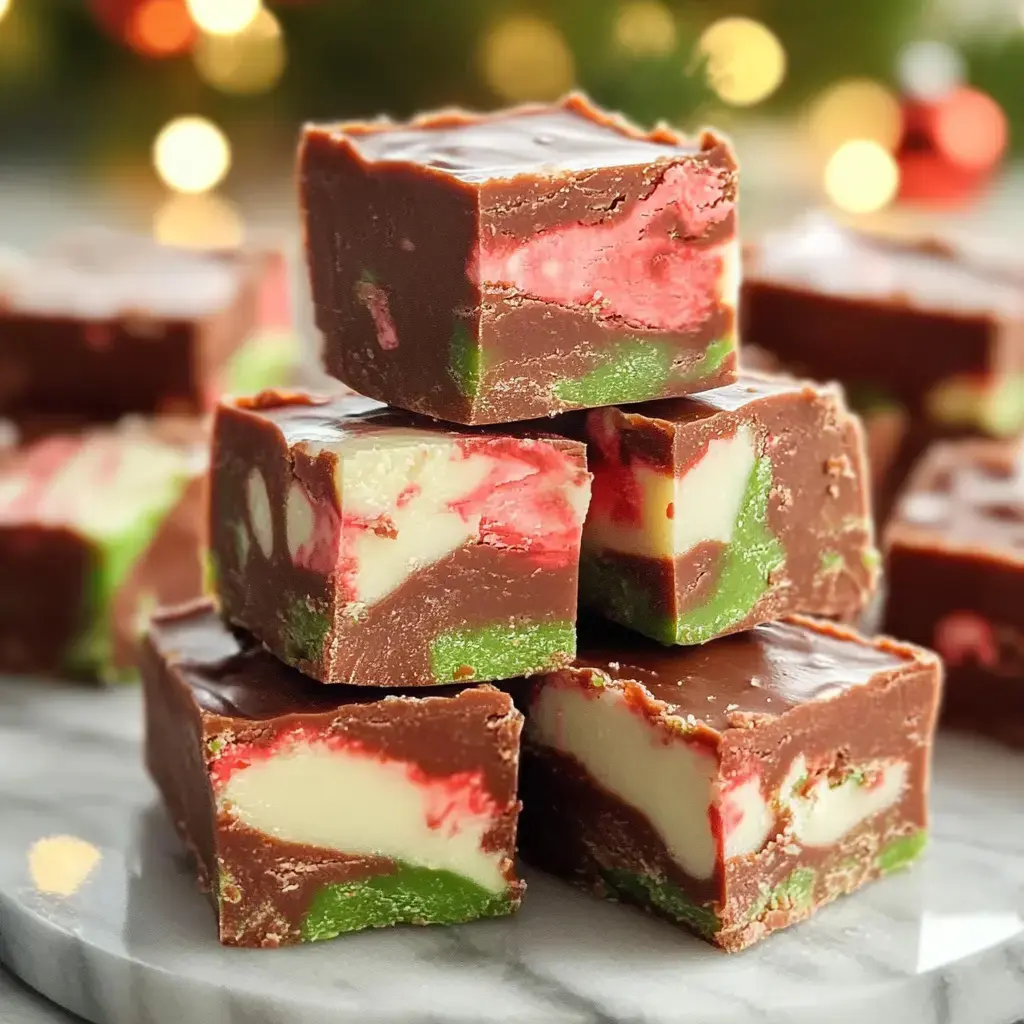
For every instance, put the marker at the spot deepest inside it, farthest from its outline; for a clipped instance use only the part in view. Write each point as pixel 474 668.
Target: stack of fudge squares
pixel 112 351
pixel 928 339
pixel 545 299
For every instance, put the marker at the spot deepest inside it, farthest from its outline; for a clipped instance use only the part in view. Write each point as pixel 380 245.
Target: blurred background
pixel 180 116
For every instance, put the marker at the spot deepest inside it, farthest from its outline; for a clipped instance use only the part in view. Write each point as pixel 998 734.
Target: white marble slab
pixel 943 944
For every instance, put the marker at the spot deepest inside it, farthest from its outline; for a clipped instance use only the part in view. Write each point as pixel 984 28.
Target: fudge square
pixel 716 512
pixel 368 546
pixel 733 787
pixel 493 268
pixel 911 326
pixel 955 578
pixel 313 811
pixel 104 324
pixel 97 529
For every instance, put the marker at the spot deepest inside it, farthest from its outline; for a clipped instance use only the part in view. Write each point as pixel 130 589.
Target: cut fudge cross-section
pixel 912 325
pixel 736 786
pixel 716 512
pixel 104 324
pixel 313 811
pixel 96 529
pixel 493 268
pixel 955 578
pixel 368 546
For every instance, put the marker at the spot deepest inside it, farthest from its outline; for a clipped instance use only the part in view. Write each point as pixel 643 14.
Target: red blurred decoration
pixel 153 28
pixel 950 148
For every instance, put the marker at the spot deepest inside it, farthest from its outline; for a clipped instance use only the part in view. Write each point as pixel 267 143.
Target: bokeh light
pixel 861 176
pixel 929 70
pixel 223 17
pixel 854 108
pixel 251 61
pixel 645 27
pixel 160 28
pixel 204 221
pixel 970 129
pixel 5 6
pixel 191 154
pixel 526 58
pixel 746 61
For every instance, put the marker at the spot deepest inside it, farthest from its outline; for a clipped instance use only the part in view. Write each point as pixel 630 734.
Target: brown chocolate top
pixel 749 387
pixel 766 671
pixel 317 419
pixel 569 136
pixel 231 675
pixel 966 495
pixel 822 256
pixel 103 275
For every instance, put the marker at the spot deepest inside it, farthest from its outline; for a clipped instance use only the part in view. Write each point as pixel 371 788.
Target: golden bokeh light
pixel 5 6
pixel 160 28
pixel 855 108
pixel 191 154
pixel 746 61
pixel 861 176
pixel 645 27
pixel 60 865
pixel 250 61
pixel 204 221
pixel 223 17
pixel 526 58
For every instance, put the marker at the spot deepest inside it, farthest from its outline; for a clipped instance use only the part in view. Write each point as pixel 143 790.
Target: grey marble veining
pixel 134 940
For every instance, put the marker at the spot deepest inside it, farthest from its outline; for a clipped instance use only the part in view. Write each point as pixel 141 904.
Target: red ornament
pixel 950 147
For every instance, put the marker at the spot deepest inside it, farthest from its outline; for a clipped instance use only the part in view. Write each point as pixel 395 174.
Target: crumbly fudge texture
pixel 313 811
pixel 955 575
pixel 915 326
pixel 104 324
pixel 494 268
pixel 96 529
pixel 716 512
pixel 734 787
pixel 368 546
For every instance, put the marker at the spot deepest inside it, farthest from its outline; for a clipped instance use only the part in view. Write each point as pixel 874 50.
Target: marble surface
pixel 98 911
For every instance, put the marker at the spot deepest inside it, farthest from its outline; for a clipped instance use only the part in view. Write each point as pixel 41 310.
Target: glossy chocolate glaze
pixel 570 136
pixel 766 671
pixel 967 494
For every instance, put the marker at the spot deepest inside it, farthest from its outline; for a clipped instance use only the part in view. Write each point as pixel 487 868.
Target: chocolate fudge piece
pixel 716 512
pixel 916 326
pixel 955 571
pixel 106 324
pixel 96 529
pixel 368 546
pixel 313 811
pixel 733 787
pixel 493 268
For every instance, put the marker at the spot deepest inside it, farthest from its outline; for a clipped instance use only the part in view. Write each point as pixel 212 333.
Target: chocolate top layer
pixel 748 387
pixel 766 671
pixel 821 256
pixel 570 136
pixel 231 675
pixel 319 420
pixel 102 275
pixel 966 494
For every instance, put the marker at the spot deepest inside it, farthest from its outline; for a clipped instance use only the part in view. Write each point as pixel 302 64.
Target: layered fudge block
pixel 105 324
pixel 955 573
pixel 368 546
pixel 96 529
pixel 493 268
pixel 313 811
pixel 716 512
pixel 913 326
pixel 734 787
